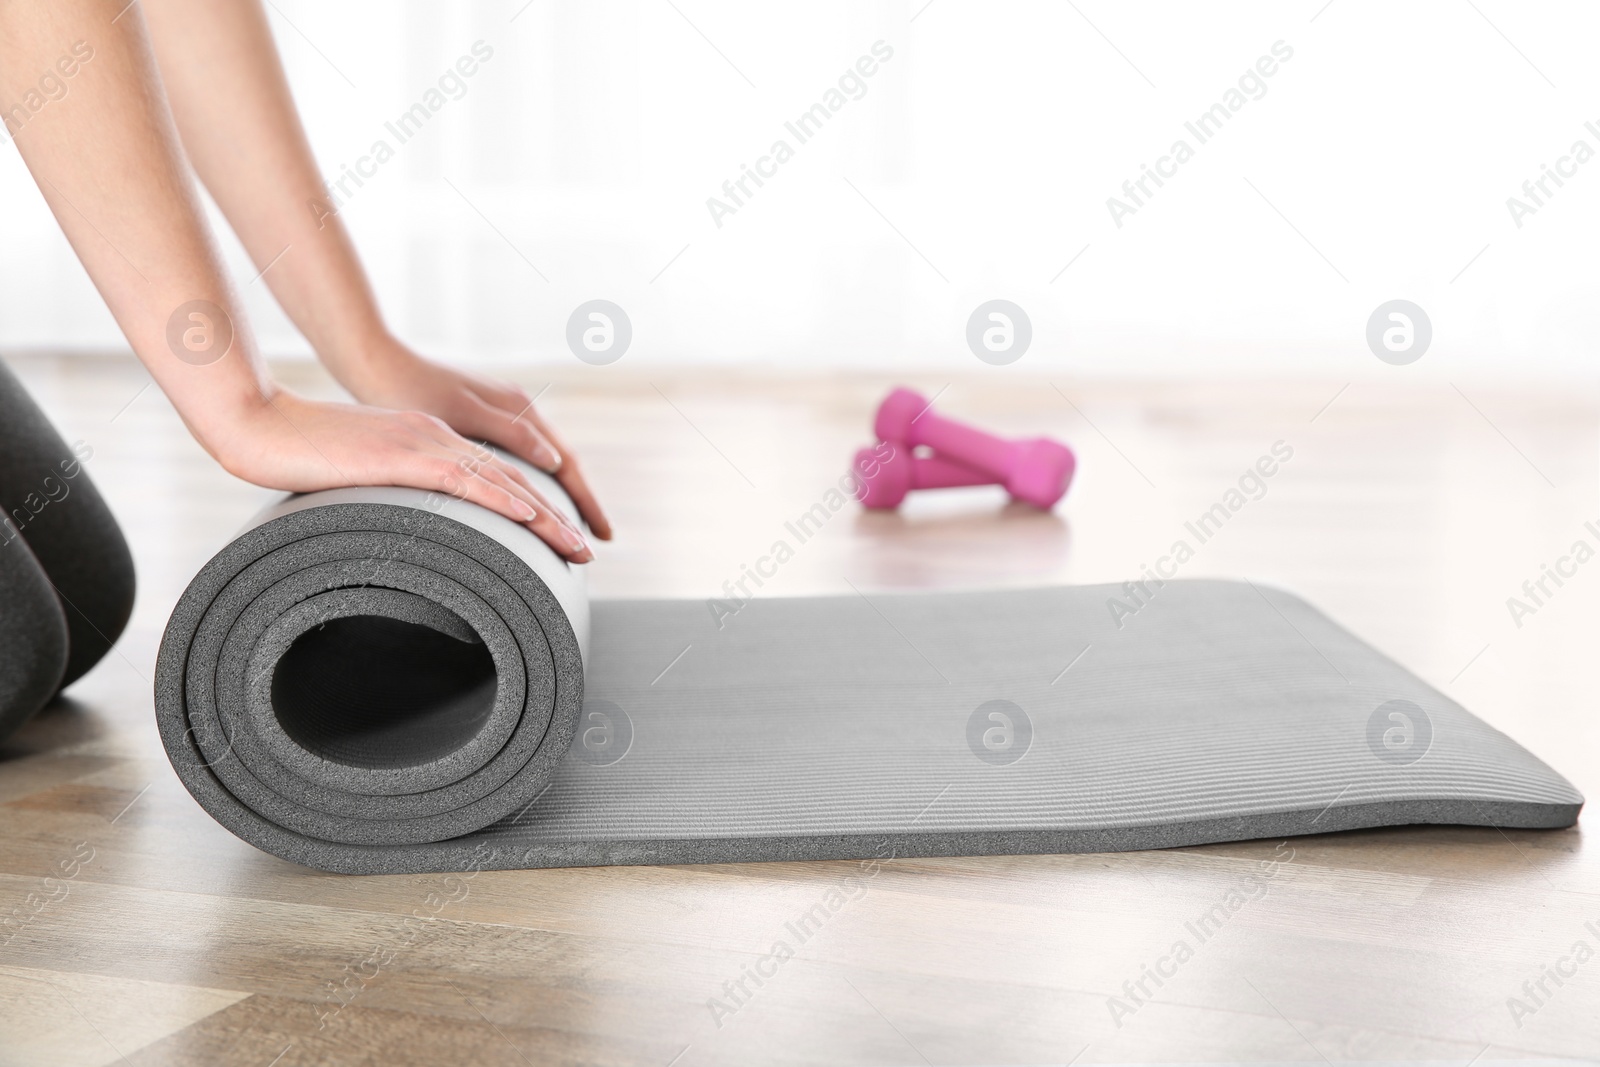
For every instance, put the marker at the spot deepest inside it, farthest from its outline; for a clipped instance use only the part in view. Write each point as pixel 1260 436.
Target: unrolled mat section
pixel 384 680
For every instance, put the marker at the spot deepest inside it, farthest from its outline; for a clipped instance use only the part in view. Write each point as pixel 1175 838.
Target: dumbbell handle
pixel 936 472
pixel 908 418
pixel 885 481
pixel 1037 469
pixel 984 451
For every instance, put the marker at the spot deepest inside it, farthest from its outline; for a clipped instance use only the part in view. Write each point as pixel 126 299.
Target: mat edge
pixel 472 853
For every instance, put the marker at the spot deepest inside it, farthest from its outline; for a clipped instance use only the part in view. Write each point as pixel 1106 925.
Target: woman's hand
pixel 108 161
pixel 300 445
pixel 393 376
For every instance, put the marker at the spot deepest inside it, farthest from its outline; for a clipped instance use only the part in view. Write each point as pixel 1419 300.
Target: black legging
pixel 66 577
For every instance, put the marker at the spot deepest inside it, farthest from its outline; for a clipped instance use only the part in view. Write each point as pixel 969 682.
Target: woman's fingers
pixel 491 488
pixel 548 523
pixel 475 457
pixel 476 474
pixel 526 433
pixel 304 446
pixel 515 474
pixel 572 480
pixel 444 473
pixel 513 430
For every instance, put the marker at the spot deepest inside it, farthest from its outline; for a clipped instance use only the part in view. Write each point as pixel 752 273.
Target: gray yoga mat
pixel 382 680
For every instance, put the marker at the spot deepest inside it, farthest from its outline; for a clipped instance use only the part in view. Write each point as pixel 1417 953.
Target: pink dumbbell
pixel 902 472
pixel 1036 469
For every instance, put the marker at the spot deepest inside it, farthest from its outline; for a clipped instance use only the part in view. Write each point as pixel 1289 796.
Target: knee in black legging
pixel 60 536
pixel 33 636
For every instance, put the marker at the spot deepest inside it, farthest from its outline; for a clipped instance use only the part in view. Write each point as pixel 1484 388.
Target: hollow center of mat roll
pixel 371 691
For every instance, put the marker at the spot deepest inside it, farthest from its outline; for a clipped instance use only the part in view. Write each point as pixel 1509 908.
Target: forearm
pixel 237 118
pixel 106 156
pixel 106 153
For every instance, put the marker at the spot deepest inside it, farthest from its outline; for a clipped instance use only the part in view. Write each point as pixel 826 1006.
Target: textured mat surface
pixel 367 681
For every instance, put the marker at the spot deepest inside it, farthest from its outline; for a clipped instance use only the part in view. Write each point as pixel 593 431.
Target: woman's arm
pixel 238 120
pixel 106 155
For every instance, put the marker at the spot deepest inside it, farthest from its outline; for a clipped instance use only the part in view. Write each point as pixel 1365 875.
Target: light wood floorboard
pixel 1408 512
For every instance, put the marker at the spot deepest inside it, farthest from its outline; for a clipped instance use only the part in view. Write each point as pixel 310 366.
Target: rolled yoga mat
pixel 385 680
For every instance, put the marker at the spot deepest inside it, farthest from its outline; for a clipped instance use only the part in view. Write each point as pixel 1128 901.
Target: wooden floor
pixel 142 932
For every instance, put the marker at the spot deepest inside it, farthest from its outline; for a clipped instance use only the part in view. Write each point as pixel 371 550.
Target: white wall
pixel 991 141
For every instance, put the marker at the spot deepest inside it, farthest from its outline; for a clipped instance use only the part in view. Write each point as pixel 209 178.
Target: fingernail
pixel 546 459
pixel 528 513
pixel 575 541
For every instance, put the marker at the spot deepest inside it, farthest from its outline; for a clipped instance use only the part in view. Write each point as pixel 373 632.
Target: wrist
pixel 231 429
pixel 366 361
